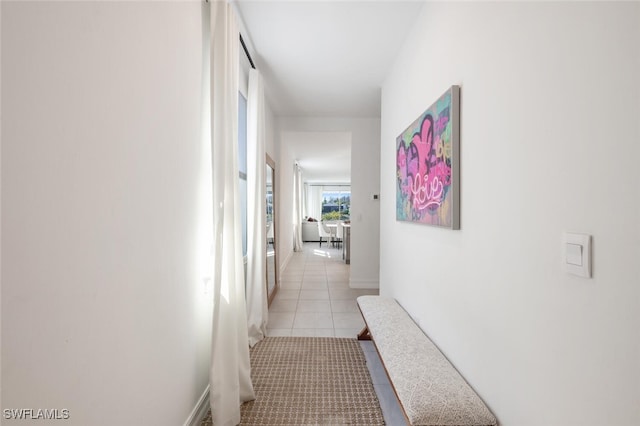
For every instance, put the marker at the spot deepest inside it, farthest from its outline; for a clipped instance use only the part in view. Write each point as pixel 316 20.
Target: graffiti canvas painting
pixel 427 165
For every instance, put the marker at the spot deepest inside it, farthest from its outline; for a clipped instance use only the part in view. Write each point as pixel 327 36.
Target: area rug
pixel 310 381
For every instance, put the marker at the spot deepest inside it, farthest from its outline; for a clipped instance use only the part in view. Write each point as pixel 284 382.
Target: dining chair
pixel 323 232
pixel 339 234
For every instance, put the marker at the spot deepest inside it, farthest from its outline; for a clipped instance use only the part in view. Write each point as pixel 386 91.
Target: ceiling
pixel 324 157
pixel 325 59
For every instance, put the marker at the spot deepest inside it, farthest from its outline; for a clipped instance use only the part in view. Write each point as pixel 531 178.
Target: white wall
pixel 549 143
pixel 105 211
pixel 270 130
pixel 365 180
pixel 284 177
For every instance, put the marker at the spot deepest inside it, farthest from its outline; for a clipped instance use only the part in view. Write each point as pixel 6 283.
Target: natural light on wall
pixel 204 228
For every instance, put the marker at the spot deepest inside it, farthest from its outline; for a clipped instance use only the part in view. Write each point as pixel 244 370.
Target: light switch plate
pixel 577 254
pixel 574 254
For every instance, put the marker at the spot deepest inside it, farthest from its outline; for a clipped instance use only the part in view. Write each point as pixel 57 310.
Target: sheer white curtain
pixel 257 305
pixel 305 201
pixel 314 201
pixel 230 381
pixel 297 208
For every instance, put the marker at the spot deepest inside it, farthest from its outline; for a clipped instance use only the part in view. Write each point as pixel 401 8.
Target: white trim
pixel 284 264
pixel 364 283
pixel 199 411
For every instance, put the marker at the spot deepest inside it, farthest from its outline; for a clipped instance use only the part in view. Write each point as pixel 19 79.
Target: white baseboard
pixel 284 264
pixel 199 411
pixel 364 283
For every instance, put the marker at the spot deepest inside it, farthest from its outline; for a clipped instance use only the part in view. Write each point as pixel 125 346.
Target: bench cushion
pixel 430 389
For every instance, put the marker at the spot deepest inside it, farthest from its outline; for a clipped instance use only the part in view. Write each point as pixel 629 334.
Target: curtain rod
pixel 246 52
pixel 244 47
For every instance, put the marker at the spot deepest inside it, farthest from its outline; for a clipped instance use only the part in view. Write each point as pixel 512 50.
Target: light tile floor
pixel 314 299
pixel 391 410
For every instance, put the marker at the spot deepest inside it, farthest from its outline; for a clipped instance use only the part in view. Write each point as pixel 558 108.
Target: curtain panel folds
pixel 230 381
pixel 297 208
pixel 314 201
pixel 257 304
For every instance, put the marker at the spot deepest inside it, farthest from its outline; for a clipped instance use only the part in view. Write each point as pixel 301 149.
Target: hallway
pixel 314 298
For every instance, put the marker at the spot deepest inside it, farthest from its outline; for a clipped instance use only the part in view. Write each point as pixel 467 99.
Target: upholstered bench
pixel 430 390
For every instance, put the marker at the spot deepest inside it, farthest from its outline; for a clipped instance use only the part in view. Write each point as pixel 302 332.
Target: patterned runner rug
pixel 310 381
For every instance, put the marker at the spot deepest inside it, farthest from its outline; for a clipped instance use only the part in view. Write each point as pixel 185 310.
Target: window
pixel 336 204
pixel 242 167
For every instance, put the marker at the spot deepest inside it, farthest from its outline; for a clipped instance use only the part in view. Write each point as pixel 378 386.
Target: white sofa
pixel 310 231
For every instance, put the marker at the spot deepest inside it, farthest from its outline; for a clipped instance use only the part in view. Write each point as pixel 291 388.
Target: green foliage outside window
pixel 331 216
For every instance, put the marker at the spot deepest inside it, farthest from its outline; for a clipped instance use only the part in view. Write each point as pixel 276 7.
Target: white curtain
pixel 297 208
pixel 257 305
pixel 305 201
pixel 314 201
pixel 230 381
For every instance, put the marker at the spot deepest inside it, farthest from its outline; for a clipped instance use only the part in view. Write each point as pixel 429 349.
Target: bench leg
pixel 364 334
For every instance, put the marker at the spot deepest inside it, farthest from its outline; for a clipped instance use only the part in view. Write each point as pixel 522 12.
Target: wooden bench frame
pixel 365 335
